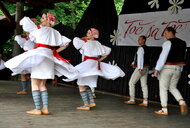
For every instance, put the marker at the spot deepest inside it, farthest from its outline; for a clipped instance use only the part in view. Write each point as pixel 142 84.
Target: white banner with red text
pixel 152 25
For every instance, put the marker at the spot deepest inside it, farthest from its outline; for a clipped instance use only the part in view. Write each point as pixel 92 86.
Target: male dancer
pixel 141 64
pixel 169 67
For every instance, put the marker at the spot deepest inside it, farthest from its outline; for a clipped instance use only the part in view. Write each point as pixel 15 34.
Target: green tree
pixel 7 47
pixel 70 13
pixel 118 5
pixel 67 13
pixel 10 7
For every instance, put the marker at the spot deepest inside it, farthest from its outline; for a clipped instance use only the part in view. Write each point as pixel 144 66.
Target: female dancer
pixel 43 62
pixel 92 67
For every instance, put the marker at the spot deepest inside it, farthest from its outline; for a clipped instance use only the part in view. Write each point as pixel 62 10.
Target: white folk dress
pixel 89 69
pixel 41 61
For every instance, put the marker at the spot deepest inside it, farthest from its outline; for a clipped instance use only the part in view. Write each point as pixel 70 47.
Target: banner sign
pixel 152 25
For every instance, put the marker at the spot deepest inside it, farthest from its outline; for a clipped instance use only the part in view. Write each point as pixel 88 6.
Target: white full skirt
pixel 88 72
pixel 41 63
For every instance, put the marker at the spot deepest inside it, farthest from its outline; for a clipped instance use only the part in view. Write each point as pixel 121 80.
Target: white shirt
pixel 92 48
pixel 163 56
pixel 140 58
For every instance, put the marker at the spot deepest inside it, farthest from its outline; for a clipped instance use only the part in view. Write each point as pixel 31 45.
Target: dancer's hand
pixel 23 35
pixel 156 72
pixel 62 48
pixel 102 58
pixel 34 20
pixel 84 38
pixel 141 71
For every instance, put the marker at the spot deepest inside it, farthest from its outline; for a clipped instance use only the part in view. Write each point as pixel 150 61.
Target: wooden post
pixel 73 15
pixel 18 30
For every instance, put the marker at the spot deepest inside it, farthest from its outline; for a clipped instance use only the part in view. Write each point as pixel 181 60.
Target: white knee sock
pixel 145 101
pixel 132 99
pixel 181 102
pixel 164 109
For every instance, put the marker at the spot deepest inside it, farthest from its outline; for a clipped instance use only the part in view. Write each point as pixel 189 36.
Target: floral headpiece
pixel 51 18
pixel 95 32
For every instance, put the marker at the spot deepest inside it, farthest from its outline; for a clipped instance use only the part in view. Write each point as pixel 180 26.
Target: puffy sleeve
pixel 27 24
pixel 78 43
pixel 107 50
pixel 24 43
pixel 49 36
pixel 20 40
pixel 65 40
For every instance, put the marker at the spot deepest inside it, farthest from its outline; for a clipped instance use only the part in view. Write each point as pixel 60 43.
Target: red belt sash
pixel 174 63
pixel 92 58
pixel 146 65
pixel 55 53
pixel 43 45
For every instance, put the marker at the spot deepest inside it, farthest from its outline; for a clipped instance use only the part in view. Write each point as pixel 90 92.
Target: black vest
pixel 146 56
pixel 177 51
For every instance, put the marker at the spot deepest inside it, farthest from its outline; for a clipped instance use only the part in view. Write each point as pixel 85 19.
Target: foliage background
pixel 67 13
